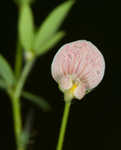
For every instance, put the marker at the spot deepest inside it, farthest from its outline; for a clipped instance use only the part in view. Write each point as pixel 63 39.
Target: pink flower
pixel 77 67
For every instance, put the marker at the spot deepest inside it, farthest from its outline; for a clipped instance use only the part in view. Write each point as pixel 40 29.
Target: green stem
pixel 18 60
pixel 16 118
pixel 17 121
pixel 15 97
pixel 22 79
pixel 16 102
pixel 63 125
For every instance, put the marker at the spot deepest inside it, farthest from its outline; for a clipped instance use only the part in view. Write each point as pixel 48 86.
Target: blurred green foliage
pixel 6 72
pixel 47 34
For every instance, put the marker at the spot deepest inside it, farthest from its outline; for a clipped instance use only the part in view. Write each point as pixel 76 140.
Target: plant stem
pixel 17 121
pixel 16 118
pixel 18 60
pixel 16 101
pixel 15 97
pixel 63 125
pixel 22 79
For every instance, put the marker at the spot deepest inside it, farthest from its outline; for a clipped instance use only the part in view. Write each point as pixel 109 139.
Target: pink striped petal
pixel 79 60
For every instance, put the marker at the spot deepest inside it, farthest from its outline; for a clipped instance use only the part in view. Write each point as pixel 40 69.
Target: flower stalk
pixel 63 125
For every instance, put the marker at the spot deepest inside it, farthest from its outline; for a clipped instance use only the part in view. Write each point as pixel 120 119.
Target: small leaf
pixel 2 84
pixel 6 72
pixel 37 100
pixel 51 24
pixel 26 27
pixel 51 42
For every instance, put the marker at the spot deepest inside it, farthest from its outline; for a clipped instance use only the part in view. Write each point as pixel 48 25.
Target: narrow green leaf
pixel 39 101
pixel 51 24
pixel 26 27
pixel 51 42
pixel 2 84
pixel 6 72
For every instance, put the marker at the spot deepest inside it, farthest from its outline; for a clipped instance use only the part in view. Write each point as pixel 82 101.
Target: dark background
pixel 94 122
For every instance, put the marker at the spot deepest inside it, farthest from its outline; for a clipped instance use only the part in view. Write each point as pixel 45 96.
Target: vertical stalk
pixel 15 95
pixel 16 101
pixel 23 77
pixel 63 125
pixel 17 120
pixel 15 98
pixel 18 60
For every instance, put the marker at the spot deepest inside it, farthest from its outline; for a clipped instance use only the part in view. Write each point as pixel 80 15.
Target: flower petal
pixel 80 91
pixel 65 83
pixel 80 60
